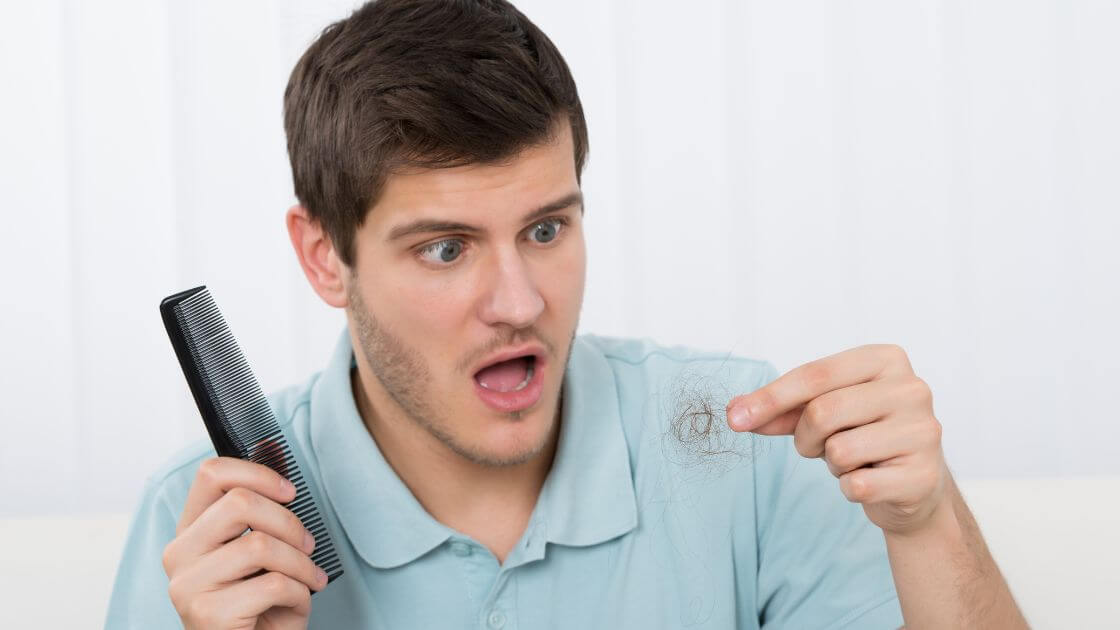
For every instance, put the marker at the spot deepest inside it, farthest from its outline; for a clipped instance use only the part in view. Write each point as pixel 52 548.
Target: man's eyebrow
pixel 422 226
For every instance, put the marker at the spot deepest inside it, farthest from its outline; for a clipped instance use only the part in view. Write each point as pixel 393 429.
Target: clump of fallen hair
pixel 697 433
pixel 696 424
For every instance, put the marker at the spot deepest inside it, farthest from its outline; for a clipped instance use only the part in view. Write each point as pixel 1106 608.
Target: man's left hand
pixel 871 419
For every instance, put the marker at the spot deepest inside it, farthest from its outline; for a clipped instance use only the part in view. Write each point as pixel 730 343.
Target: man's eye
pixel 547 230
pixel 444 251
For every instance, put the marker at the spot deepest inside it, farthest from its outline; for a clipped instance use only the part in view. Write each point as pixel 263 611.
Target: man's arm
pixel 945 576
pixel 870 418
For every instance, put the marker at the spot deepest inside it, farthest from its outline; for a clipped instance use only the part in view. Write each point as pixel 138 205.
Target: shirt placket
pixel 499 611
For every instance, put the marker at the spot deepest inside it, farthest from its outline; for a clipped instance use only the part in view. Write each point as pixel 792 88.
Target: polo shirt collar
pixel 587 498
pixel 386 524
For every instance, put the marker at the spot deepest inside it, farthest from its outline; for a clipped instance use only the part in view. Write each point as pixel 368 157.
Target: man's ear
pixel 316 253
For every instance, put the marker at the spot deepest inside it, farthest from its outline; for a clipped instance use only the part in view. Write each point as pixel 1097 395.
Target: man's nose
pixel 512 297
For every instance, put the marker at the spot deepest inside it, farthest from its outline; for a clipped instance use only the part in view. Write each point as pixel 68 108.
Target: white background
pixel 783 180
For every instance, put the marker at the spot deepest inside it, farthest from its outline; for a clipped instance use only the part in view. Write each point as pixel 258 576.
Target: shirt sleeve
pixel 140 598
pixel 822 562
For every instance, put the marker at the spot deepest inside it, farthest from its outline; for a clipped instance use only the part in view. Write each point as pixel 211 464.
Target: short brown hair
pixel 428 83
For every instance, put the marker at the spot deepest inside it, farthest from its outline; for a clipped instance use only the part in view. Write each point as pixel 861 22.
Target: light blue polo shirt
pixel 633 527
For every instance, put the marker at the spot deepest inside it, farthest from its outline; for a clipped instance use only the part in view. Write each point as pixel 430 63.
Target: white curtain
pixel 780 179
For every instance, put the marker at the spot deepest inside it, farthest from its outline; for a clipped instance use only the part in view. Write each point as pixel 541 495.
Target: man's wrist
pixel 942 526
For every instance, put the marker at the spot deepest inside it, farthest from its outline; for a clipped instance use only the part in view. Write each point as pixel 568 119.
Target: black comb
pixel 237 414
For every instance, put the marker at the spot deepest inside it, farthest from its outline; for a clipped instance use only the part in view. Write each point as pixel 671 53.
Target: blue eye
pixel 443 253
pixel 448 250
pixel 552 228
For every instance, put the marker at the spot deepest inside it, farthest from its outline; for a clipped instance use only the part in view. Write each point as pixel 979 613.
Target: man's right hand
pixel 211 565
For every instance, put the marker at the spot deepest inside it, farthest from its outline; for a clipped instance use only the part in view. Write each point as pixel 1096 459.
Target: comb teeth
pixel 236 413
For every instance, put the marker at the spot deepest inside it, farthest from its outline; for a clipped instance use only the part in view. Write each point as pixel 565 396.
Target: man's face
pixel 428 307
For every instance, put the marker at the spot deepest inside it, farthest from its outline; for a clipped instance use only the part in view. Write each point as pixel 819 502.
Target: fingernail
pixel 740 418
pixel 308 542
pixel 320 575
pixel 286 485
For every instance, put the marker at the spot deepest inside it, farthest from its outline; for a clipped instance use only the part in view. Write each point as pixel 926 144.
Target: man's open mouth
pixel 507 376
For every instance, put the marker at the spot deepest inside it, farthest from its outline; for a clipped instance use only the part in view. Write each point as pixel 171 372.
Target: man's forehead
pixel 537 176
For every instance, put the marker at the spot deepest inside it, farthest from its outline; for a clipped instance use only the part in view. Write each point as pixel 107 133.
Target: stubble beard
pixel 406 378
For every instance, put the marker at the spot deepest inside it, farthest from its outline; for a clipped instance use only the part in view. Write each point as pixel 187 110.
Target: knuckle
pixel 274 582
pixel 858 488
pixel 935 430
pixel 896 354
pixel 168 557
pixel 175 592
pixel 920 390
pixel 208 471
pixel 240 499
pixel 816 376
pixel 836 452
pixel 890 352
pixel 835 470
pixel 850 485
pixel 817 413
pixel 257 544
pixel 801 443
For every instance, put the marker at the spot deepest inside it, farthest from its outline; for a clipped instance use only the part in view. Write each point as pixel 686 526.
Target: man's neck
pixel 488 503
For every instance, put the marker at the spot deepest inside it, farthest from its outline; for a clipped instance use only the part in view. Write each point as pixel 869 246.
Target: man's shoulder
pixel 657 361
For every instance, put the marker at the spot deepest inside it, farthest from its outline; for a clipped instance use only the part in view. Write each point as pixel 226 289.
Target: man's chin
pixel 488 455
pixel 505 441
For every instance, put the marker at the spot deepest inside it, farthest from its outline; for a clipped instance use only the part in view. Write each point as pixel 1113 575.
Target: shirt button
pixel 460 548
pixel 497 619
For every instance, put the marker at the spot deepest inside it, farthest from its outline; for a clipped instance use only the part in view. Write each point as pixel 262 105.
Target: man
pixel 479 465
